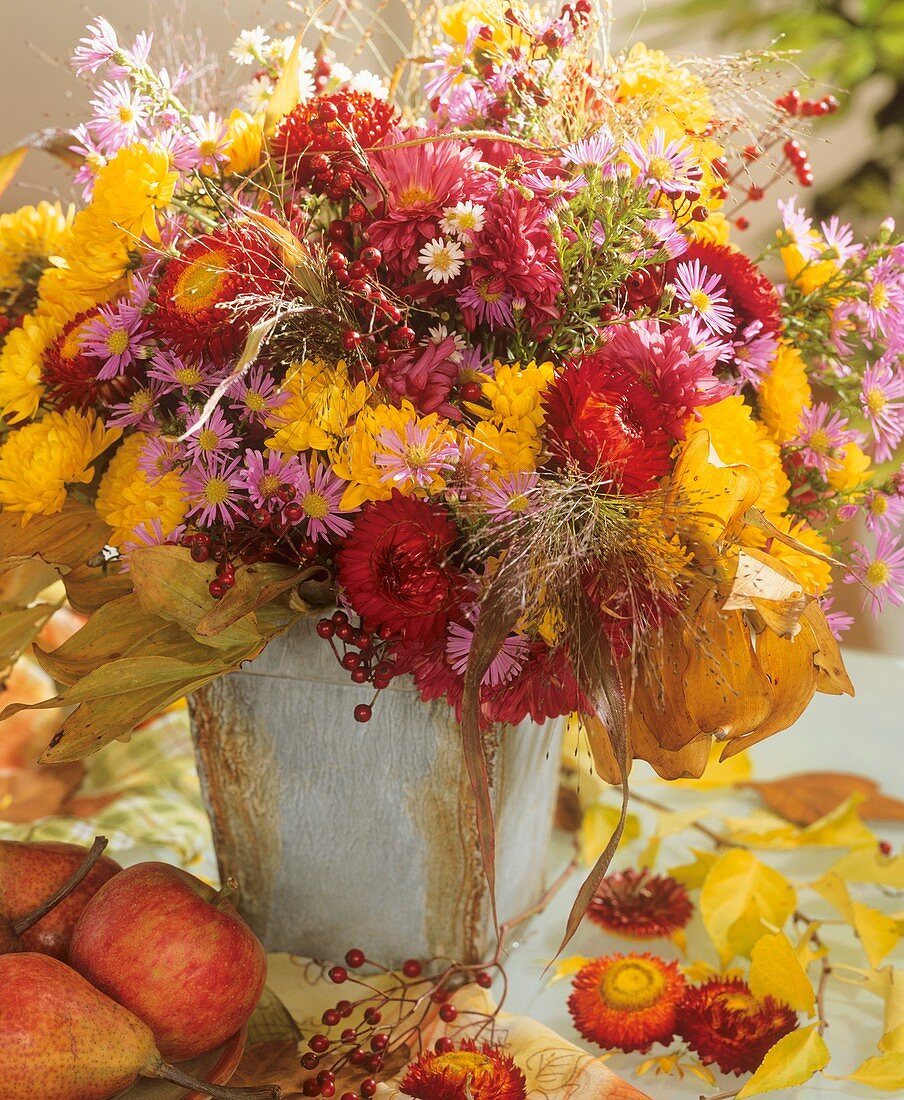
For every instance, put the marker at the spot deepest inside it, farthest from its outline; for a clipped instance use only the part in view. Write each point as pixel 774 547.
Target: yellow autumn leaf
pixel 698 971
pixel 647 857
pixel 804 950
pixel 741 900
pixel 842 827
pixel 565 968
pixel 597 826
pixel 892 1042
pixel 9 166
pixel 693 875
pixel 885 1072
pixel 867 864
pixel 791 1061
pixel 719 773
pixel 775 971
pixel 887 984
pixel 877 931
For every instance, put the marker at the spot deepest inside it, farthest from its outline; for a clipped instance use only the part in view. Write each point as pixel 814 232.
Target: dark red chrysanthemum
pixel 722 1022
pixel 545 687
pixel 608 423
pixel 627 1001
pixel 70 375
pixel 641 904
pixel 331 124
pixel 751 295
pixel 394 568
pixel 198 286
pixel 480 1073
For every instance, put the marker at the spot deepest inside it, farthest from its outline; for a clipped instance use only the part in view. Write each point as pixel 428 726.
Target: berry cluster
pixel 792 104
pixel 368 665
pixel 405 1000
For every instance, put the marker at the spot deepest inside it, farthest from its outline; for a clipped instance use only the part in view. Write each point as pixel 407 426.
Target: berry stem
pixel 31 919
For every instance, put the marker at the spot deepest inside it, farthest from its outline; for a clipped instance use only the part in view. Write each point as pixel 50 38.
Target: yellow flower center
pixel 141 401
pixel 207 148
pixel 117 341
pixel 876 400
pixel 465 219
pixel 441 261
pixel 878 297
pixel 490 296
pixel 700 300
pixel 126 114
pixel 207 439
pixel 254 401
pixel 187 376
pixel 216 490
pixel 517 503
pixel 878 574
pixel 412 195
pixel 200 283
pixel 95 161
pixel 660 169
pixel 819 441
pixel 463 1063
pixel 878 506
pixel 71 346
pixel 268 486
pixel 630 985
pixel 315 505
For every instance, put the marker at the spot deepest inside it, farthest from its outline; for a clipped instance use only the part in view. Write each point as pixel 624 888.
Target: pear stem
pixel 31 919
pixel 218 1092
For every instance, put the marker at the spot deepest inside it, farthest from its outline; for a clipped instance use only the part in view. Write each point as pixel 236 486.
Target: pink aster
pixel 882 572
pixel 92 159
pixel 255 394
pixel 839 622
pixel 138 411
pixel 216 435
pixel 554 190
pixel 186 376
pixel 667 237
pixel 320 498
pixel 799 227
pixel 703 295
pixel 116 336
pixel 510 496
pixel 215 490
pixel 420 181
pixel 426 376
pixel 514 255
pixel 594 153
pixel 484 304
pixel 472 468
pixel 823 435
pixel 264 475
pixel 96 48
pixel 119 113
pixel 414 457
pixel 668 166
pixel 505 665
pixel 882 402
pixel 211 140
pixel 160 455
pixel 149 533
pixel 883 308
pixel 839 237
pixel 752 353
pixel 883 511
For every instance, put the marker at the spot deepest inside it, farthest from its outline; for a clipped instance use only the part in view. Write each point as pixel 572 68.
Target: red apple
pixel 175 953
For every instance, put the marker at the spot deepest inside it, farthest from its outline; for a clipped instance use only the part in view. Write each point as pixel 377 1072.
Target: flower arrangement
pixel 480 361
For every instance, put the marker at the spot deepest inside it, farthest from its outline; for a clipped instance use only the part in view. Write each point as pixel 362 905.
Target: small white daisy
pixel 249 46
pixel 257 93
pixel 441 259
pixel 368 82
pixel 463 219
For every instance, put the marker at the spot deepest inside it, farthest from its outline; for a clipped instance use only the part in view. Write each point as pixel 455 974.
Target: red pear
pixel 61 1039
pixel 30 873
pixel 173 951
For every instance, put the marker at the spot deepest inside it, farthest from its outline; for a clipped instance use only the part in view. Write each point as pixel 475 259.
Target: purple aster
pixel 320 494
pixel 667 235
pixel 882 402
pixel 96 48
pixel 703 295
pixel 115 335
pixel 839 237
pixel 883 307
pixel 92 160
pixel 669 166
pixel 510 496
pixel 799 228
pixel 555 191
pixel 160 455
pixel 594 152
pixel 211 141
pixel 470 473
pixel 217 434
pixel 183 375
pixel 149 533
pixel 255 394
pixel 138 410
pixel 215 490
pixel 490 306
pixel 419 457
pixel 824 433
pixel 883 511
pixel 264 475
pixel 120 112
pixel 752 353
pixel 882 572
pixel 838 621
pixel 505 665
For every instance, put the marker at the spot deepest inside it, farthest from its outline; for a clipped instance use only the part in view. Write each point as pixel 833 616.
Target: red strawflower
pixel 197 287
pixel 722 1022
pixel 607 423
pixel 394 568
pixel 751 295
pixel 627 1001
pixel 480 1073
pixel 514 256
pixel 640 904
pixel 666 361
pixel 334 125
pixel 70 375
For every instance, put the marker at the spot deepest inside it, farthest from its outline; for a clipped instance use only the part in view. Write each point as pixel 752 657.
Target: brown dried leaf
pixel 808 796
pixel 272 1063
pixel 568 810
pixel 37 790
pixel 65 540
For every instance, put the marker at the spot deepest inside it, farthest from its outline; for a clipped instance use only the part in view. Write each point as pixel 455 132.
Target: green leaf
pixel 65 540
pixel 255 585
pixel 18 627
pixel 790 1062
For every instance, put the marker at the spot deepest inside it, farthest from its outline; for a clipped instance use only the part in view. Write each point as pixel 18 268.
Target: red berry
pixel 368 1087
pixel 320 163
pixel 885 847
pixel 310 1087
pixel 336 260
pixel 319 1043
pixel 742 222
pixel 344 631
pixel 260 517
pixel 755 192
pixel 363 712
pixel 286 492
pixel 349 1035
pixel 339 617
pixel 330 1018
pixel 350 661
pixel 199 553
pixel 411 968
pixel 484 980
pixel 339 231
pixel 360 675
pixel 357 1056
pixel 379 1041
pixel 700 214
pixel 328 1088
pixel 344 1008
pixel 351 339
pixel 325 1077
pixel 443 1045
pixel 328 111
pixel 751 152
pixel 357 212
pixel 448 1013
pixel 217 589
pixel 373 1016
pixel 471 391
pixel 349 1096
pixel 294 512
pixel 309 1060
pixel 373 1062
pixel 338 974
pixel 371 257
pixel 354 958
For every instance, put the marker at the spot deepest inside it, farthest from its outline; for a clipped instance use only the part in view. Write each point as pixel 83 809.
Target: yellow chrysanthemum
pixel 813 574
pixel 29 236
pixel 245 141
pixel 664 90
pixel 510 428
pixel 852 470
pixel 133 186
pixel 323 403
pixel 127 497
pixel 785 393
pixel 92 268
pixel 715 230
pixel 455 18
pixel 737 438
pixel 20 367
pixel 808 274
pixel 38 461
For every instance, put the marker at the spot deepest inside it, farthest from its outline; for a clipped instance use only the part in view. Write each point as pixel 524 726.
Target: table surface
pixel 861 735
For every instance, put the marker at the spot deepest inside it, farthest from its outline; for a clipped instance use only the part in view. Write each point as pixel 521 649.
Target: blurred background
pixel 852 48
